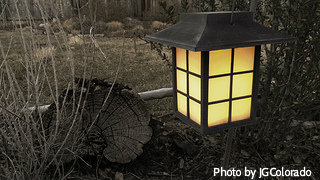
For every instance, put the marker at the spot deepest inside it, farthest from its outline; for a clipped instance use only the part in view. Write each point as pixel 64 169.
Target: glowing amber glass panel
pixel 241 109
pixel 242 85
pixel 195 62
pixel 219 88
pixel 181 58
pixel 195 87
pixel 182 104
pixel 243 59
pixel 195 111
pixel 182 81
pixel 219 62
pixel 218 113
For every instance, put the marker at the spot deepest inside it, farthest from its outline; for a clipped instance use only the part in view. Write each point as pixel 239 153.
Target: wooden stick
pixel 148 95
pixel 156 94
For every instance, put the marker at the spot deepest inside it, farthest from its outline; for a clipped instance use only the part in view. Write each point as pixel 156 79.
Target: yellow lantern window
pixel 219 88
pixel 219 62
pixel 194 84
pixel 181 58
pixel 195 87
pixel 243 59
pixel 218 113
pixel 182 81
pixel 242 85
pixel 195 111
pixel 241 109
pixel 195 62
pixel 182 104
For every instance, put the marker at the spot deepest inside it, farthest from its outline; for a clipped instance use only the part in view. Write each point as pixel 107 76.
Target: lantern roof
pixel 213 31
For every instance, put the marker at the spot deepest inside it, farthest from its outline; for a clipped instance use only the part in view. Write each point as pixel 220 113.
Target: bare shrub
pixel 31 145
pixel 114 26
pixel 82 25
pixel 138 31
pixel 157 25
pixel 44 53
pixel 138 28
pixel 68 25
pixel 130 23
pixel 75 40
pixel 101 27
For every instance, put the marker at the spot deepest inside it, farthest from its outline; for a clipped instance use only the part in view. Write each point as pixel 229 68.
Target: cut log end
pixel 119 126
pixel 123 124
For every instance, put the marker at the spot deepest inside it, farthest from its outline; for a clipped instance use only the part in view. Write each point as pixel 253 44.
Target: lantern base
pixel 211 130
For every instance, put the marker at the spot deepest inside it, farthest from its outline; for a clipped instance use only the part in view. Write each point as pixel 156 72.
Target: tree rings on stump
pixel 115 121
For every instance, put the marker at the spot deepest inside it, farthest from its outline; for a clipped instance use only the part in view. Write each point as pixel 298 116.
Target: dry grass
pixel 138 31
pixel 75 40
pixel 101 27
pixel 44 52
pixel 157 25
pixel 68 25
pixel 131 23
pixel 114 26
pixel 138 28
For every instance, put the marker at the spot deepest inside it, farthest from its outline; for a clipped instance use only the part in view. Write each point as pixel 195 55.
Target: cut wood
pixel 148 95
pixel 120 127
pixel 116 128
pixel 156 94
pixel 122 124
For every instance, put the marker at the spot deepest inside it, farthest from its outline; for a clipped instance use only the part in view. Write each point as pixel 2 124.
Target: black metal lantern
pixel 216 67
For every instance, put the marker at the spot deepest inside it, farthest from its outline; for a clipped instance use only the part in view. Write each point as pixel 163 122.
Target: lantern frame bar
pixel 192 73
pixel 174 79
pixel 255 81
pixel 232 99
pixel 188 96
pixel 214 76
pixel 231 87
pixel 228 74
pixel 204 90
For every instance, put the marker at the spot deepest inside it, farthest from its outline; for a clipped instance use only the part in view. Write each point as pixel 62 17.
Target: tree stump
pixel 116 128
